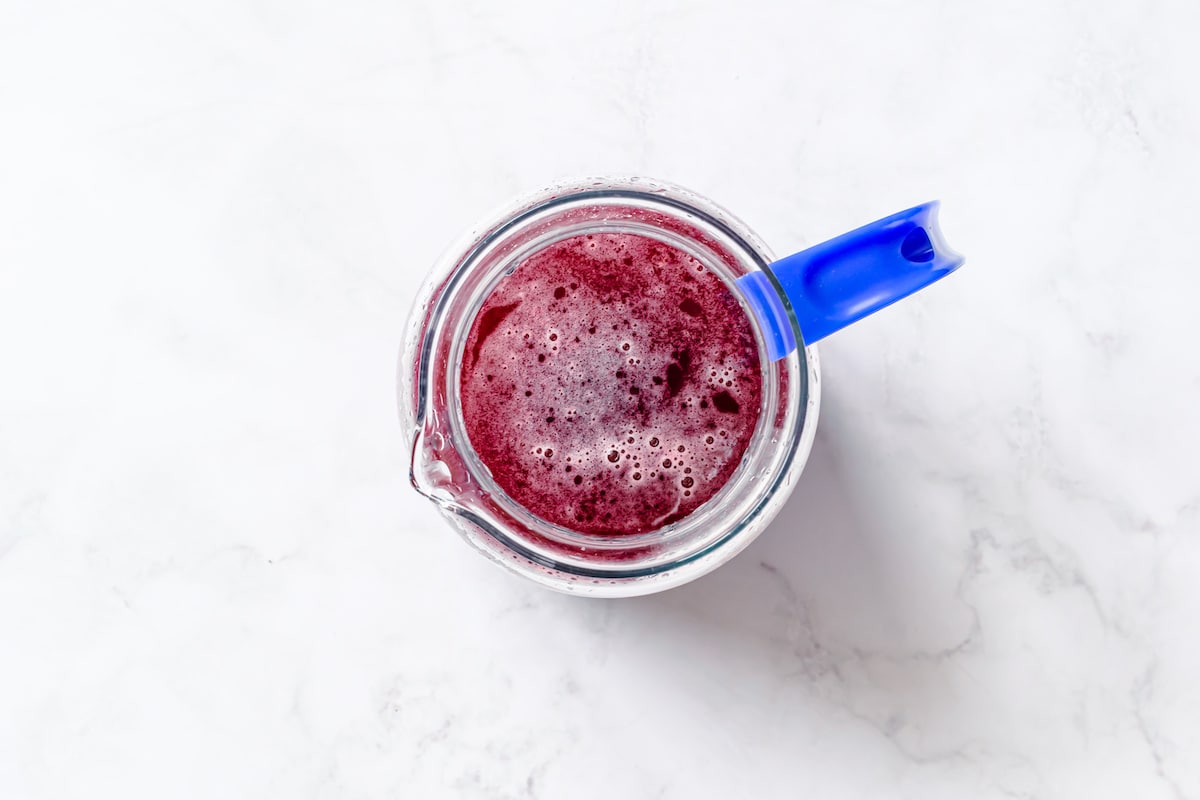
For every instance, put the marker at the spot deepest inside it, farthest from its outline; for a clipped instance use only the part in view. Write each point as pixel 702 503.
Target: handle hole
pixel 916 246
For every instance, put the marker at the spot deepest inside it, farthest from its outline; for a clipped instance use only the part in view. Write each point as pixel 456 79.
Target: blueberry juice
pixel 611 383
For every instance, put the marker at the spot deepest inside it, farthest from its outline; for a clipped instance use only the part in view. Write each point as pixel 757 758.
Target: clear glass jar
pixel 447 470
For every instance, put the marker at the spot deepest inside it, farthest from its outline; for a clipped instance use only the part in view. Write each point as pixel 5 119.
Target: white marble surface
pixel 214 581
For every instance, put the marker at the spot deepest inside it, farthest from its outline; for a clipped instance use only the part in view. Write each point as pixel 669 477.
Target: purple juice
pixel 611 384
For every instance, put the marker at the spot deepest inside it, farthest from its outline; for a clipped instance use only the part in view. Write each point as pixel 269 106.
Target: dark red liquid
pixel 611 384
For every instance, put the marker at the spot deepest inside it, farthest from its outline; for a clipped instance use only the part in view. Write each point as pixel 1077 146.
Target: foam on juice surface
pixel 611 384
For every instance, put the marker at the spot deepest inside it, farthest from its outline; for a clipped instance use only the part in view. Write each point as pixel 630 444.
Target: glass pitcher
pixel 789 303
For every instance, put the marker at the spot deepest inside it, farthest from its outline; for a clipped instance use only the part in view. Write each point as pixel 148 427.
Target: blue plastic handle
pixel 839 282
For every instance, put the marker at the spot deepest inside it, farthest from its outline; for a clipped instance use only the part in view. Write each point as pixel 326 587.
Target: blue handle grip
pixel 839 282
